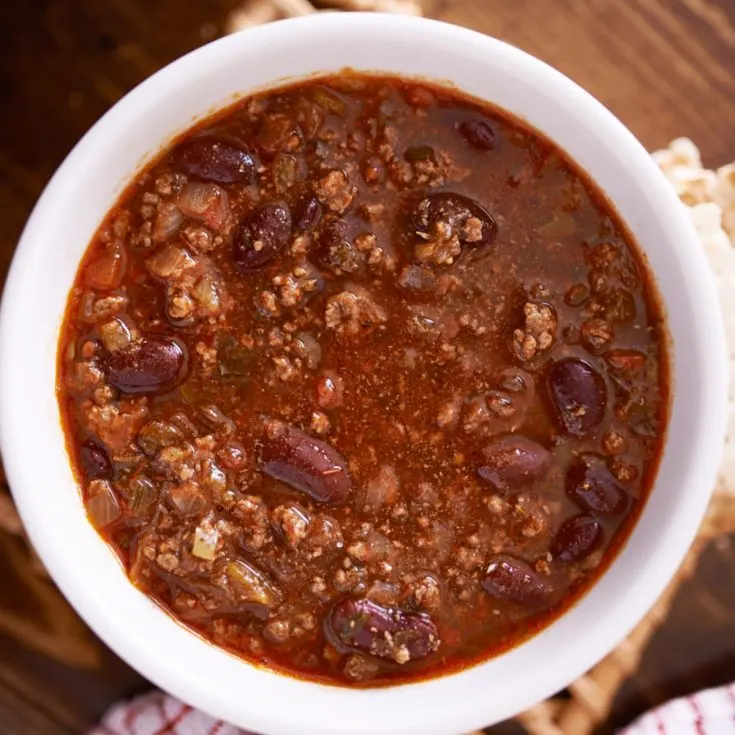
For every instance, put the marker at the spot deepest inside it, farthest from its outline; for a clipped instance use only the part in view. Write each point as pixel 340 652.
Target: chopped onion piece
pixel 251 585
pixel 382 489
pixel 102 505
pixel 214 416
pixel 168 221
pixel 206 202
pixel 105 270
pixel 187 498
pixel 205 541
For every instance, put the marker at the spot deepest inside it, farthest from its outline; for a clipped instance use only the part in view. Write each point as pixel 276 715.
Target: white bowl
pixel 87 185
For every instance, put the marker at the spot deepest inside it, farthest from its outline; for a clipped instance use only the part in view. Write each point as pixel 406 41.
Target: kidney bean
pixel 591 485
pixel 512 580
pixel 210 159
pixel 513 460
pixel 385 632
pixel 578 395
pixel 307 215
pixel 478 134
pixel 95 463
pixel 154 365
pixel 577 538
pixel 334 250
pixel 460 212
pixel 305 463
pixel 261 236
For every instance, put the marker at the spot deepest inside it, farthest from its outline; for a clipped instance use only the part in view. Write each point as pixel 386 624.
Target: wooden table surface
pixel 665 67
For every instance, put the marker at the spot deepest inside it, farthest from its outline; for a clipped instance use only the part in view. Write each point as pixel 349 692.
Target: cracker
pixel 710 200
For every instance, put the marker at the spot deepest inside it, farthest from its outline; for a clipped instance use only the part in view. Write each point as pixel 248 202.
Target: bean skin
pixel 457 211
pixel 577 538
pixel 385 632
pixel 155 365
pixel 478 134
pixel 261 237
pixel 95 463
pixel 512 580
pixel 578 396
pixel 513 460
pixel 592 486
pixel 334 249
pixel 209 159
pixel 305 463
pixel 307 214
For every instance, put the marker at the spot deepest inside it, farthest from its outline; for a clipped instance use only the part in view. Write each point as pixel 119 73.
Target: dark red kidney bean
pixel 334 250
pixel 512 580
pixel 513 460
pixel 385 632
pixel 154 365
pixel 591 485
pixel 305 463
pixel 478 134
pixel 210 159
pixel 577 538
pixel 578 395
pixel 95 463
pixel 261 236
pixel 457 211
pixel 307 214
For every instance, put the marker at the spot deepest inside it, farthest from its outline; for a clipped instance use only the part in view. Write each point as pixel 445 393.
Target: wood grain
pixel 665 67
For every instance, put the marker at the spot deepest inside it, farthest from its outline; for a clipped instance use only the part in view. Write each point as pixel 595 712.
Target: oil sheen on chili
pixel 363 380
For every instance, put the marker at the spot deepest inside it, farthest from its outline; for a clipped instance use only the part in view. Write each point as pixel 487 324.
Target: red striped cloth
pixel 711 712
pixel 158 714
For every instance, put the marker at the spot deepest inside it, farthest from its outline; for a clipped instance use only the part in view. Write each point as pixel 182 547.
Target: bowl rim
pixel 437 716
